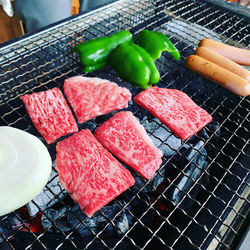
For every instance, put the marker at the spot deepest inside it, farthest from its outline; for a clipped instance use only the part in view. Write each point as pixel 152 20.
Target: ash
pixel 52 193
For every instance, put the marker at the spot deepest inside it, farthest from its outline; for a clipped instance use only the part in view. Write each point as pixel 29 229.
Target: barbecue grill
pixel 199 198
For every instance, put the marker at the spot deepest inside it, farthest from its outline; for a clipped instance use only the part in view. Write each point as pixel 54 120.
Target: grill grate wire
pixel 44 60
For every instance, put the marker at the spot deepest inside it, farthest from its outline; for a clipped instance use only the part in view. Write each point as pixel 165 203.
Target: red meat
pixel 127 139
pixel 175 109
pixel 50 114
pixel 91 97
pixel 91 175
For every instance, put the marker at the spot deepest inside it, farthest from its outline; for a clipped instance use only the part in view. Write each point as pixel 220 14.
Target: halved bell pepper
pixel 155 43
pixel 94 53
pixel 134 65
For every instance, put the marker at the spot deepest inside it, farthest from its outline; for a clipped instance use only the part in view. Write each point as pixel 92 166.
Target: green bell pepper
pixel 155 43
pixel 135 65
pixel 94 53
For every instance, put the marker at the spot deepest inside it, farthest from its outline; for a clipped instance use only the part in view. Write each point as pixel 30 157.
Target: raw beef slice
pixel 127 139
pixel 50 114
pixel 91 97
pixel 175 109
pixel 91 175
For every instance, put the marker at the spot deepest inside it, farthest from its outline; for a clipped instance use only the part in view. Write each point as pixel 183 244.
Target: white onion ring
pixel 25 167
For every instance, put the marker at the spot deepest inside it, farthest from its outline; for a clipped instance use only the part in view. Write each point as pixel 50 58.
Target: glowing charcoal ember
pixel 175 109
pixel 90 174
pixel 91 97
pixel 33 224
pixel 127 139
pixel 50 114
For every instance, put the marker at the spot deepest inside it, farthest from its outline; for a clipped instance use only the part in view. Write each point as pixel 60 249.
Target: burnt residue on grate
pixel 199 196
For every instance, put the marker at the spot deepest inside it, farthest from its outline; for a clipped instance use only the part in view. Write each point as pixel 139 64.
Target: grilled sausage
pixel 223 62
pixel 241 56
pixel 219 75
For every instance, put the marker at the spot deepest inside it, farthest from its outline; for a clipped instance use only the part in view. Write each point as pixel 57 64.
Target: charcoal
pixel 159 133
pixel 47 197
pixel 5 246
pixel 139 203
pixel 52 220
pixel 97 222
pixel 139 183
pixel 8 225
pixel 189 151
pixel 196 154
pixel 158 178
pixel 206 133
pixel 212 129
pixel 192 156
pixel 88 125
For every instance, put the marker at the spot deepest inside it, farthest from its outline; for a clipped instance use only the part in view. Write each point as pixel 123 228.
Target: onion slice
pixel 25 167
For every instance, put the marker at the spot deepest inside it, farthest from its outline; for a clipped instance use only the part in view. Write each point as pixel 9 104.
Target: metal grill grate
pixel 214 208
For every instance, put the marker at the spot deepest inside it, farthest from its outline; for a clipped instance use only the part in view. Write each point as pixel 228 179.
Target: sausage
pixel 223 62
pixel 219 75
pixel 241 56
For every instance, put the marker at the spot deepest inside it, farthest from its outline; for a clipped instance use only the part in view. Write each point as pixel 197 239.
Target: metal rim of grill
pixel 44 60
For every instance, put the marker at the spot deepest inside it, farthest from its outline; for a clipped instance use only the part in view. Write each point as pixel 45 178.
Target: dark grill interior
pixel 200 196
